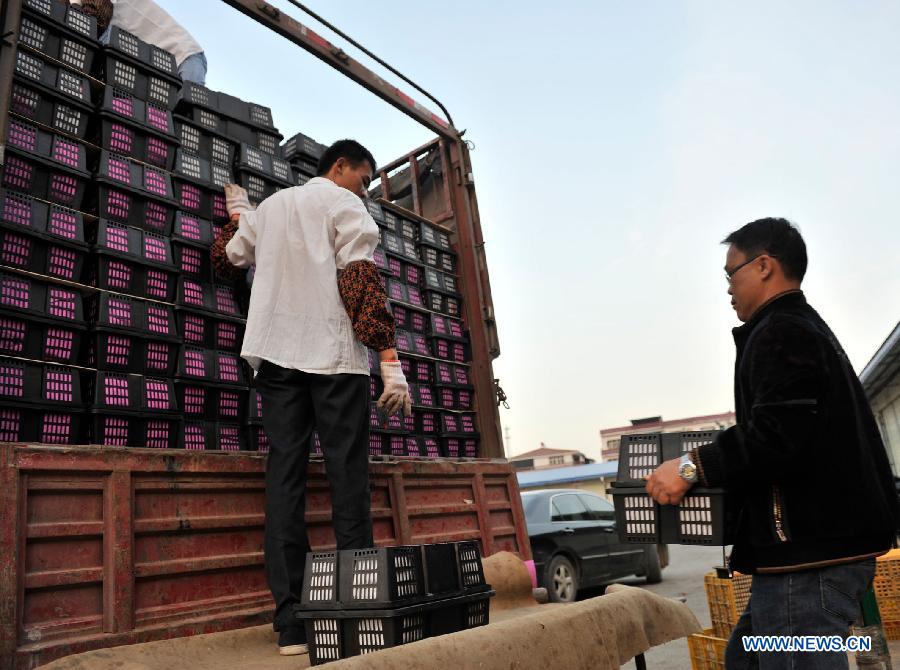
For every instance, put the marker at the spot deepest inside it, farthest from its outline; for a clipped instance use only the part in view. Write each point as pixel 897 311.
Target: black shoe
pixel 292 642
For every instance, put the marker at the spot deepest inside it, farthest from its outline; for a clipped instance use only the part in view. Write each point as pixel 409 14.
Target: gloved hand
pixel 396 391
pixel 236 200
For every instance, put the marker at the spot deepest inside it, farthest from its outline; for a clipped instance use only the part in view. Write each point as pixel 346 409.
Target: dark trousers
pixel 295 403
pixel 825 601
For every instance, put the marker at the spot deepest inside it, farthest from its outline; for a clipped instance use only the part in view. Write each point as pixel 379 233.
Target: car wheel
pixel 562 580
pixel 653 571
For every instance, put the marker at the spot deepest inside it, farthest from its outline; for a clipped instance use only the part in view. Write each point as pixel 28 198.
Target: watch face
pixel 688 471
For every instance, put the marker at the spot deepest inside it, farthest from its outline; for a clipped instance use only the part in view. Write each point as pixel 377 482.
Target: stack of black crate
pixel 133 342
pixel 418 264
pixel 45 176
pixel 358 601
pixel 223 140
pixel 699 519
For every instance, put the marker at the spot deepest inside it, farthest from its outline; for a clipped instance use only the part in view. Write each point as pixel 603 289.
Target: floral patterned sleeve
pixel 367 305
pixel 221 264
pixel 101 9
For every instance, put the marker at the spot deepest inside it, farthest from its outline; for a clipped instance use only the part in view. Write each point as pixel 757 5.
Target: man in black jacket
pixel 805 468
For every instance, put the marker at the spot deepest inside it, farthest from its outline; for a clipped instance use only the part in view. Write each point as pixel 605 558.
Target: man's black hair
pixel 352 150
pixel 775 237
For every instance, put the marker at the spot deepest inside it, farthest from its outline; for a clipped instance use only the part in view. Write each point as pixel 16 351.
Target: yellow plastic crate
pixel 887 592
pixel 727 600
pixel 707 651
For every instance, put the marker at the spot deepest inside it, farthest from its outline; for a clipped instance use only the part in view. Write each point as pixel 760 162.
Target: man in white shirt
pixel 151 23
pixel 316 303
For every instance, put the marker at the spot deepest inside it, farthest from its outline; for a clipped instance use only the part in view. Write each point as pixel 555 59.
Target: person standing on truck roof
pixel 805 464
pixel 316 303
pixel 148 21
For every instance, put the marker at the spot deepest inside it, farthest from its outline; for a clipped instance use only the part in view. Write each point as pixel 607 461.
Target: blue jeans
pixel 193 68
pixel 812 602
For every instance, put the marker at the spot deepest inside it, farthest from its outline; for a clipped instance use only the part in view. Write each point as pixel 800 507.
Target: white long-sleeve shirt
pixel 298 239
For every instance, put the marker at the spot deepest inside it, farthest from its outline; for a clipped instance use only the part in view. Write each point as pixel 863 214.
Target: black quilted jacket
pixel 805 469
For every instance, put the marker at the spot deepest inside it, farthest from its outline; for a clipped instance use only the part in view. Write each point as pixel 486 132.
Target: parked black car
pixel 574 543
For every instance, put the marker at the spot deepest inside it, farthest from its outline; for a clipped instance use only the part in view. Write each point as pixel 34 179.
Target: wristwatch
pixel 687 469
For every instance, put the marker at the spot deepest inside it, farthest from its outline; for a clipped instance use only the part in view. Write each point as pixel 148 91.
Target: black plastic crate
pixel 211 366
pixel 637 515
pixel 407 230
pixel 399 246
pixel 195 230
pixel 41 424
pixel 205 143
pixel 199 185
pixel 138 129
pixel 67 18
pixel 449 374
pixel 212 436
pixel 459 447
pixel 443 303
pixel 133 208
pixel 64 35
pixel 145 180
pixel 449 350
pixel 423 395
pixel 302 146
pixel 455 398
pixel 248 113
pixel 123 392
pixel 210 331
pixel 192 261
pixel 459 424
pixel 413 320
pixel 397 290
pixel 54 111
pixel 45 165
pixel 50 222
pixel 235 131
pixel 375 209
pixel 40 339
pixel 364 578
pixel 255 406
pixel 417 371
pixel 258 187
pixel 271 168
pixel 412 343
pixel 446 327
pixel 116 274
pixel 434 237
pixel 212 401
pixel 59 83
pixel 133 430
pixel 217 299
pixel 334 635
pixel 416 296
pixel 147 55
pixel 141 246
pixel 442 260
pixel 699 519
pixel 405 270
pixel 34 298
pixel 427 422
pixel 127 314
pixel 47 384
pixel 435 280
pixel 142 81
pixel 22 250
pixel 117 351
pixel 641 454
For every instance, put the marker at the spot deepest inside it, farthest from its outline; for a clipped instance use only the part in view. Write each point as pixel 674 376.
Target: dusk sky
pixel 615 145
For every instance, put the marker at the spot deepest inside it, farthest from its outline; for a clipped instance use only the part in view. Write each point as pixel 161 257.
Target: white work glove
pixel 396 391
pixel 236 200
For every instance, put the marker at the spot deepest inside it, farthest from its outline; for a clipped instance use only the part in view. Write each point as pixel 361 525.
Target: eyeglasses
pixel 729 274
